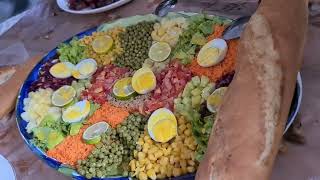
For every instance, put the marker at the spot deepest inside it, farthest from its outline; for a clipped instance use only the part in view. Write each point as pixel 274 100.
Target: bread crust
pixel 249 126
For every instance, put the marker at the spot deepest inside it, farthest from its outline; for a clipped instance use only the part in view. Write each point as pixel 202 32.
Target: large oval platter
pixel 167 144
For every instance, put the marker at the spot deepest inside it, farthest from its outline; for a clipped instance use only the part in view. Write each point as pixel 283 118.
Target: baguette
pixel 249 126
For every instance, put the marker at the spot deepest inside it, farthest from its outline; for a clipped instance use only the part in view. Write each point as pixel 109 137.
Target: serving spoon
pixel 233 31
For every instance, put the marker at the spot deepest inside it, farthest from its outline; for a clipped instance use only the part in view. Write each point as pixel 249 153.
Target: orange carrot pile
pixel 226 66
pixel 110 114
pixel 218 30
pixel 71 149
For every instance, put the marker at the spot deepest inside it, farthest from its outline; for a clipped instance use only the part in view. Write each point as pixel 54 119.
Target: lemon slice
pixel 102 44
pixel 159 51
pixel 143 80
pixel 162 125
pixel 92 135
pixel 63 96
pixel 122 89
pixel 215 99
pixel 62 70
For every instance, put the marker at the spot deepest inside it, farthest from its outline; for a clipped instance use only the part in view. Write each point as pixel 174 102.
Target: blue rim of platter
pixel 67 170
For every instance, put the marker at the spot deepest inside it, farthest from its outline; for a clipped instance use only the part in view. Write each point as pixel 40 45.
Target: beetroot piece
pixel 46 80
pixel 225 80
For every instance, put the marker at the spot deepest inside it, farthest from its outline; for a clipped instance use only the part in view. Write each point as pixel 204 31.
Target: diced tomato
pixel 170 83
pixel 102 83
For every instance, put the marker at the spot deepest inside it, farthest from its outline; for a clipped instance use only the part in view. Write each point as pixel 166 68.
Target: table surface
pixel 45 26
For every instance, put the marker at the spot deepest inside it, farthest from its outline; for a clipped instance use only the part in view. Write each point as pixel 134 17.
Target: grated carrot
pixel 218 30
pixel 71 149
pixel 226 66
pixel 110 114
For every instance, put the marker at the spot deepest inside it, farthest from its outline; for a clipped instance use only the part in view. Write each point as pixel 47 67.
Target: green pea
pixel 101 155
pixel 88 176
pixel 92 169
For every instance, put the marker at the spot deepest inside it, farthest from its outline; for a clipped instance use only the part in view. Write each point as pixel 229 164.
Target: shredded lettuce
pixel 73 52
pixel 194 36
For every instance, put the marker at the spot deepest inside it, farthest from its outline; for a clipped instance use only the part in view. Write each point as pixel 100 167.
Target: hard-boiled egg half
pixel 62 70
pixel 162 125
pixel 84 69
pixel 212 53
pixel 76 112
pixel 144 80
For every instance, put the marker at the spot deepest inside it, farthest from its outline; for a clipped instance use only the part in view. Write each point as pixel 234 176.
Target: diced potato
pixel 206 92
pixel 186 100
pixel 196 92
pixel 196 101
pixel 204 81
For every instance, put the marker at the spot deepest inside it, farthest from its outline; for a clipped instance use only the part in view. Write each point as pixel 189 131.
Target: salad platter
pixel 132 99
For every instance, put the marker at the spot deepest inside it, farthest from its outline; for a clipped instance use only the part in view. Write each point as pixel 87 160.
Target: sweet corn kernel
pixel 143 161
pixel 165 152
pixel 163 169
pixel 171 159
pixel 143 176
pixel 191 163
pixel 190 169
pixel 182 127
pixel 164 145
pixel 133 165
pixel 152 150
pixel 184 170
pixel 158 154
pixel 151 174
pixel 169 171
pixel 164 161
pixel 141 155
pixel 156 168
pixel 187 132
pixel 148 166
pixel 151 157
pixel 161 176
pixel 183 163
pixel 145 138
pixel 176 172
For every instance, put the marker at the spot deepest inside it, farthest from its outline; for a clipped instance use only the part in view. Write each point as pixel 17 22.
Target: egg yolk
pixel 76 74
pixel 164 130
pixel 146 81
pixel 209 55
pixel 73 113
pixel 60 68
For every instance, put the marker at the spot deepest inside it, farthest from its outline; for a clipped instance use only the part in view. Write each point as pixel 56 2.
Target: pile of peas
pixel 135 42
pixel 130 130
pixel 105 159
pixel 112 155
